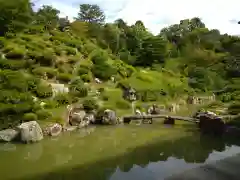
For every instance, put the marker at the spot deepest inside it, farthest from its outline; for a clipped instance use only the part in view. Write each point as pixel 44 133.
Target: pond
pixel 126 152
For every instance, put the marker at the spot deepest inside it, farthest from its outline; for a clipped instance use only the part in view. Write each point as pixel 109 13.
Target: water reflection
pixel 152 161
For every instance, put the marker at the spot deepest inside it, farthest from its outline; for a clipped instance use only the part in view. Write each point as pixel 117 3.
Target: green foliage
pixel 43 91
pixel 62 99
pixel 43 114
pixel 185 58
pixel 78 89
pixel 86 77
pixel 234 108
pixel 50 104
pixel 15 54
pixel 82 70
pixel 122 104
pixel 41 71
pixel 90 104
pixel 46 59
pixel 13 18
pixel 30 117
pixel 12 64
pixel 64 77
pixel 91 13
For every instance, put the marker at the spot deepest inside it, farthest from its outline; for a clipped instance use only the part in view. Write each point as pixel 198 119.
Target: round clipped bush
pixel 90 104
pixel 122 104
pixel 43 114
pixel 30 117
pixel 86 78
pixel 64 77
pixel 70 51
pixel 43 91
pixel 41 71
pixel 82 70
pixel 15 54
pixel 50 104
pixel 73 59
pixel 62 99
pixel 46 59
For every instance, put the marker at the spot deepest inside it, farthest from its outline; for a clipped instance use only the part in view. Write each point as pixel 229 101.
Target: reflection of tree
pixel 192 149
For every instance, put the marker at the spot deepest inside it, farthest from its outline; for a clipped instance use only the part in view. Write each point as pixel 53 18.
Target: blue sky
pixel 156 14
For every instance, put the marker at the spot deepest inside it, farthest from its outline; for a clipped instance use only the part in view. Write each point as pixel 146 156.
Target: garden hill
pixel 39 48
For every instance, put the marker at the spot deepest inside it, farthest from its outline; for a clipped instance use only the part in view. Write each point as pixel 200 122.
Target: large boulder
pixel 8 135
pixel 154 109
pixel 77 117
pixel 30 132
pixel 211 124
pixel 109 117
pixel 53 130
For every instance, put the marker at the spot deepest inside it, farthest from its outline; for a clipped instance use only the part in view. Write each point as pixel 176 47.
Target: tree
pixel 14 15
pixel 48 16
pixel 91 13
pixel 153 51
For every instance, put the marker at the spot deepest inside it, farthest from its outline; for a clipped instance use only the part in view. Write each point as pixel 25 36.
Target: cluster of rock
pixel 200 100
pixel 25 132
pixel 77 116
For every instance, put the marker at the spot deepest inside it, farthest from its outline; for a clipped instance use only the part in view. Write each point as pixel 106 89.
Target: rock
pixel 77 117
pixel 70 128
pixel 53 130
pixel 83 124
pixel 8 135
pixel 138 112
pixel 174 108
pixel 90 117
pixel 169 120
pixel 154 109
pixel 109 117
pixel 30 132
pixel 211 124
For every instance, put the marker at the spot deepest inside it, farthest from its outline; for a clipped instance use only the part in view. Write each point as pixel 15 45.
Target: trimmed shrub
pixel 234 108
pixel 30 117
pixel 64 77
pixel 70 51
pixel 15 54
pixel 90 104
pixel 40 71
pixel 43 91
pixel 82 70
pixel 62 99
pixel 50 104
pixel 78 90
pixel 12 64
pixel 46 59
pixel 73 59
pixel 122 104
pixel 86 78
pixel 43 114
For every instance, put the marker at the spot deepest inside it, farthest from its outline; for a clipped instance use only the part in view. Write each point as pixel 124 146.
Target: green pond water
pixel 124 152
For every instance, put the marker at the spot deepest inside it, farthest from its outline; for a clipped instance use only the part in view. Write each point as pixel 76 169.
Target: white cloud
pixel 156 14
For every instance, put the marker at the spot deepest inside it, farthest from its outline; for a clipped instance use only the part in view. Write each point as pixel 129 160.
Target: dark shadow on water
pixel 194 149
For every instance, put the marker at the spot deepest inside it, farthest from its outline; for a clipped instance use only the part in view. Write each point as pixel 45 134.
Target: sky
pixel 156 14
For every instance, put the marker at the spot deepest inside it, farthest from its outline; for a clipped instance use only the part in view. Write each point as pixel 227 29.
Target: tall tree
pixel 48 16
pixel 91 13
pixel 14 15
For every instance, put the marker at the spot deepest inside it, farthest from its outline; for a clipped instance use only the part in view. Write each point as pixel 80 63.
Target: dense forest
pixel 39 47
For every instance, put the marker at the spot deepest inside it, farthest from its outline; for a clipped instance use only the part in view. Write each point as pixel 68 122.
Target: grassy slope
pixel 72 52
